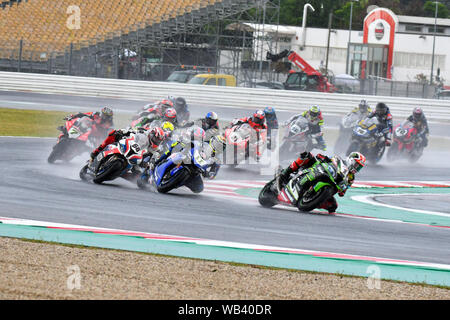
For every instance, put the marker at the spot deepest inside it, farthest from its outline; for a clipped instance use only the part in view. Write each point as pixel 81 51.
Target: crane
pixel 309 79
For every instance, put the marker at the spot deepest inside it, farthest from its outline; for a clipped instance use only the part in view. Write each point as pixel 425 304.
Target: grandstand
pixel 45 36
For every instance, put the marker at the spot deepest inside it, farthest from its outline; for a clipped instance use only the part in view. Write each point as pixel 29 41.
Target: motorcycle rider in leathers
pixel 102 121
pixel 315 119
pixel 150 140
pixel 272 124
pixel 421 124
pixel 210 123
pixel 384 117
pixel 354 162
pixel 211 151
pixel 258 124
pixel 362 110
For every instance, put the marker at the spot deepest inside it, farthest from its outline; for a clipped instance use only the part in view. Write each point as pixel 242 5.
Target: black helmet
pixel 381 109
pixel 180 103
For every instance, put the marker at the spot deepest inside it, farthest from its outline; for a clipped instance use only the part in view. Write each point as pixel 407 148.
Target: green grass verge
pixel 40 123
pixel 30 123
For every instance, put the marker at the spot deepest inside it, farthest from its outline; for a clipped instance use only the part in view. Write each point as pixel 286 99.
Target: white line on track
pixel 369 200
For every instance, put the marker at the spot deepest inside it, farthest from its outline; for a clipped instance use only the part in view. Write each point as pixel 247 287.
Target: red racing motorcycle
pixel 405 143
pixel 245 142
pixel 76 137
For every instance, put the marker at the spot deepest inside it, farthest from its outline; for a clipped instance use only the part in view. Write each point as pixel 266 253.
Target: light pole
pixel 305 11
pixel 351 18
pixel 349 35
pixel 434 40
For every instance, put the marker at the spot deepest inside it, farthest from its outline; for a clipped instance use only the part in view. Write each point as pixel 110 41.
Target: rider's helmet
pixel 259 117
pixel 106 114
pixel 314 112
pixel 211 119
pixel 417 114
pixel 170 115
pixel 196 134
pixel 270 112
pixel 355 162
pixel 381 110
pixel 363 106
pixel 168 126
pixel 180 103
pixel 218 144
pixel 156 136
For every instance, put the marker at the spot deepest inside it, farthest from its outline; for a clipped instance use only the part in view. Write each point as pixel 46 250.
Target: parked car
pixel 443 95
pixel 268 84
pixel 211 79
pixel 181 76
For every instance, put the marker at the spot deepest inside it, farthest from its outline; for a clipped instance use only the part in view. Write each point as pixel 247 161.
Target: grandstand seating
pixel 42 25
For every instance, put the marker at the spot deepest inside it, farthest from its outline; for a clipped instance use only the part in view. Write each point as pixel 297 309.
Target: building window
pixel 438 30
pixel 413 28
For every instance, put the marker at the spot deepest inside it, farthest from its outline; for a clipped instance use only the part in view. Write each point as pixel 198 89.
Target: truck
pixel 308 79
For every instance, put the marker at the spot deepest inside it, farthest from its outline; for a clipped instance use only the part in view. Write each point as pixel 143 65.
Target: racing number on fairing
pixel 135 147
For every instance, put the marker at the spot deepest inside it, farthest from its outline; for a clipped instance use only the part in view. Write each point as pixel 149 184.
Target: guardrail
pixel 247 98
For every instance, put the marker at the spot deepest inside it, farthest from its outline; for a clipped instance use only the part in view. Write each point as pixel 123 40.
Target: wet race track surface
pixel 33 189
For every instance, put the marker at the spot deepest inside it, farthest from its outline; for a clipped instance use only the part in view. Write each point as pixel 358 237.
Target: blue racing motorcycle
pixel 183 168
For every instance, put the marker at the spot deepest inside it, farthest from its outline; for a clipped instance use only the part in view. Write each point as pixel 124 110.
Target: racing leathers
pixel 272 124
pixel 258 128
pixel 202 123
pixel 314 124
pixel 384 126
pixel 307 160
pixel 140 135
pixel 196 182
pixel 100 127
pixel 423 130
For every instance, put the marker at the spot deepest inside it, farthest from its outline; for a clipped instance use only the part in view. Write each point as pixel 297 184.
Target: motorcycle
pixel 405 143
pixel 116 160
pixel 145 121
pixel 345 131
pixel 307 189
pixel 296 139
pixel 179 169
pixel 245 142
pixel 368 140
pixel 151 108
pixel 74 139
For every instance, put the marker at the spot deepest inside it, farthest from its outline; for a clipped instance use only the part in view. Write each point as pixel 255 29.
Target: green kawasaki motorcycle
pixel 309 188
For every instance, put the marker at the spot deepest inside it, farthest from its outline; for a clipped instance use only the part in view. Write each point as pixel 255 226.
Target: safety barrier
pixel 249 98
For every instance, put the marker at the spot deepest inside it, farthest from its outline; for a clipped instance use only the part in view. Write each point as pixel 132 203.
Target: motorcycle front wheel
pixel 169 182
pixel 312 199
pixel 58 150
pixel 109 169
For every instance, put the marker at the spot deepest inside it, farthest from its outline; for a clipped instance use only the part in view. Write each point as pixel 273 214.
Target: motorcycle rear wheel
pixel 266 197
pixel 308 203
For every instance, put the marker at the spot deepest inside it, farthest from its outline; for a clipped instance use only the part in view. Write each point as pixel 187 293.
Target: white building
pixel 391 46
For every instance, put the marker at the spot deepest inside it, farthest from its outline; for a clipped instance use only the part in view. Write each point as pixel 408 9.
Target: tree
pixel 430 7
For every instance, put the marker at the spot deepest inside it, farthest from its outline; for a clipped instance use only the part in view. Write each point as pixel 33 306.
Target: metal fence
pixel 87 61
